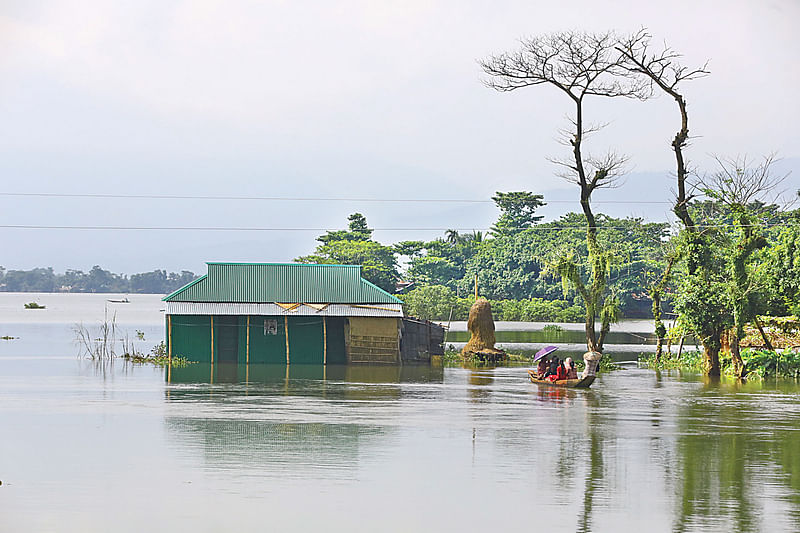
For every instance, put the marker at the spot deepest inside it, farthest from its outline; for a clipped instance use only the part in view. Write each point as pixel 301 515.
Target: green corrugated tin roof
pixel 281 282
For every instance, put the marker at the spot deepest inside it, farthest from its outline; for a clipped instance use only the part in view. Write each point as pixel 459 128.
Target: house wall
pixel 373 340
pixel 311 341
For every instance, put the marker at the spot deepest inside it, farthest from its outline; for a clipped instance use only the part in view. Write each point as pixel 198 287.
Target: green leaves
pixel 355 247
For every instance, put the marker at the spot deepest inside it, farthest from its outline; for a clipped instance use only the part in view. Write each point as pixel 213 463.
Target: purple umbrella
pixel 547 350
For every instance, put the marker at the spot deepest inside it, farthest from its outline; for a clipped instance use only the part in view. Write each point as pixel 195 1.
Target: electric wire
pixel 543 227
pixel 295 198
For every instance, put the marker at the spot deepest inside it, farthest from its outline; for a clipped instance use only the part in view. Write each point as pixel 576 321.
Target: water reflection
pixel 732 455
pixel 640 450
pixel 287 421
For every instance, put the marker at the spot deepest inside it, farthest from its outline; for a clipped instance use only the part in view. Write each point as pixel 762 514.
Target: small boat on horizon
pixel 119 301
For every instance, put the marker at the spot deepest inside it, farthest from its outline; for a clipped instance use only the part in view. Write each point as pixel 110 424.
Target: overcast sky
pixel 340 99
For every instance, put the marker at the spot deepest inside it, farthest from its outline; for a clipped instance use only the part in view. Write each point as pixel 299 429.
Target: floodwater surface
pixel 87 447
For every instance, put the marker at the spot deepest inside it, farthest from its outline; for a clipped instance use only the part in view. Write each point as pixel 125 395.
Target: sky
pixel 345 100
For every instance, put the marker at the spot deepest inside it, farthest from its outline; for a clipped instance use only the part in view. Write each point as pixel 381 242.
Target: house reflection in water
pixel 287 420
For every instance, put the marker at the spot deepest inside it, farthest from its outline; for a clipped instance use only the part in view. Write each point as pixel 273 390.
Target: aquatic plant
pixel 552 328
pixel 34 305
pixel 101 347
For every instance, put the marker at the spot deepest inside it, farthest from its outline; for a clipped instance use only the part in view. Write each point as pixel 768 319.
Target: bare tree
pixel 579 65
pixel 663 70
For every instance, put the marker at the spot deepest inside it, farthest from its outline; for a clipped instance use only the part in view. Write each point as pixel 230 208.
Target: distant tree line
pixel 96 280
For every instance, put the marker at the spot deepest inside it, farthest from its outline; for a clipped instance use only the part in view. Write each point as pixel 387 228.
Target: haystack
pixel 481 328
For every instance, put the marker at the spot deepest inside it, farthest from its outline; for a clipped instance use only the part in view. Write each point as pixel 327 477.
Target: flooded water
pixel 85 448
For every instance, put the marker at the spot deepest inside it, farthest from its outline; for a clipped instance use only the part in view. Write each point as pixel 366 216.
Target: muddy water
pixel 119 448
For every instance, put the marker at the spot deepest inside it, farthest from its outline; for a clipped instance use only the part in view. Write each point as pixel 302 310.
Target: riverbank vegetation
pixel 456 358
pixel 96 280
pixel 757 363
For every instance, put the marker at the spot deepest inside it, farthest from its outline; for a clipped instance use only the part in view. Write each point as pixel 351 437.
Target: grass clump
pixel 552 328
pixel 34 305
pixel 158 356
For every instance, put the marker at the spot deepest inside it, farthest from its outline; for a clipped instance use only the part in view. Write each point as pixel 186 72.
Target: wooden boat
pixel 580 383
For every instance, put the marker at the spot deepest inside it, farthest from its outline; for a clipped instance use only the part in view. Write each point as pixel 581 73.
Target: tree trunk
pixel 736 356
pixel 767 344
pixel 711 359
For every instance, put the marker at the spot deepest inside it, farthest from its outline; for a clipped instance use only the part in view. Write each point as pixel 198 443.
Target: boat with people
pixel 556 373
pixel 580 383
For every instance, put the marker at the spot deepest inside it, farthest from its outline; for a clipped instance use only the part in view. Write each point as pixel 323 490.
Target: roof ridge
pixel 235 263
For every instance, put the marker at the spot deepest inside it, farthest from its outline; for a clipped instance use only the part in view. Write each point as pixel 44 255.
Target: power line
pixel 265 229
pixel 298 198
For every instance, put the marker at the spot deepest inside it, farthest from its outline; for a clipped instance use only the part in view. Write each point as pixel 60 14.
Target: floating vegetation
pixel 8 338
pixel 552 328
pixel 157 360
pixel 34 305
pixel 158 356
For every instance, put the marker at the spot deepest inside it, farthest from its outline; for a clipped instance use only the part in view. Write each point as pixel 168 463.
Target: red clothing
pixel 561 373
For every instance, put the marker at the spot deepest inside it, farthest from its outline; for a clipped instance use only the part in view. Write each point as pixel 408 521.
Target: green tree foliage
pixel 437 302
pixel 442 261
pixel 517 211
pixel 782 272
pixel 355 246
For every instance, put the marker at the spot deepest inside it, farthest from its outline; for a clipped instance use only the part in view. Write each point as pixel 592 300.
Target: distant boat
pixel 122 301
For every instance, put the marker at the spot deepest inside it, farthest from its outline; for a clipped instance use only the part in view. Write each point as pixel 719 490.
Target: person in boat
pixel 541 370
pixel 569 366
pixel 557 373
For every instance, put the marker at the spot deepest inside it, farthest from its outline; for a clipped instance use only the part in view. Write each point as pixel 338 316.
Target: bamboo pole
pixel 286 331
pixel 212 339
pixel 169 338
pixel 324 341
pixel 476 286
pixel 247 342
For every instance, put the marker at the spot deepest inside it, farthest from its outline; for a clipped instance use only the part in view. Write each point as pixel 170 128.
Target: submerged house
pixel 290 313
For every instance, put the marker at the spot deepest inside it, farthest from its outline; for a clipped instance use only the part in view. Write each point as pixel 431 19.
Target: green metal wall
pixel 336 349
pixel 305 340
pixel 264 348
pixel 191 338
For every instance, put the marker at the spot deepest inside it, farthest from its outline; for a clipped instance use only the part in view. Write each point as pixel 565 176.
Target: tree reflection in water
pixel 727 446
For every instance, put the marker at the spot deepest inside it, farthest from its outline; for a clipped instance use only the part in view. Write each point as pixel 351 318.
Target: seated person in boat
pixel 569 366
pixel 541 369
pixel 557 371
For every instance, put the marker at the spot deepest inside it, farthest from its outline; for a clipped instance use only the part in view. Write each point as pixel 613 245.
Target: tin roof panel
pixel 281 282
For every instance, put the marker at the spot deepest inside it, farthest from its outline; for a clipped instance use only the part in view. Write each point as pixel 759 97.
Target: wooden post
pixel 324 341
pixel 212 339
pixel 247 342
pixel 286 331
pixel 169 338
